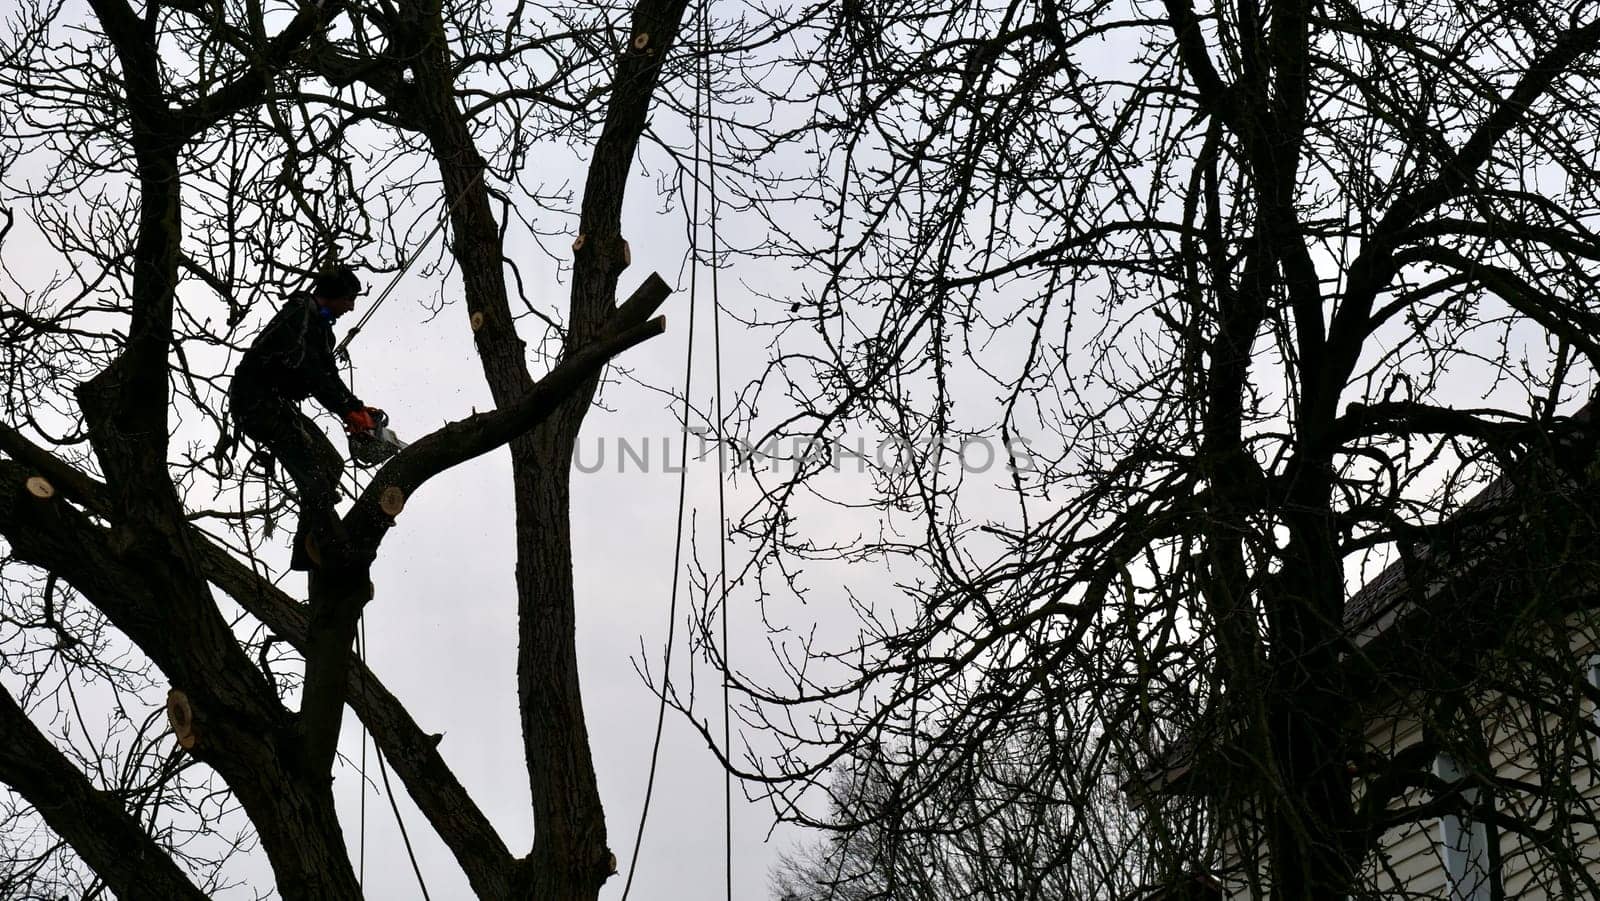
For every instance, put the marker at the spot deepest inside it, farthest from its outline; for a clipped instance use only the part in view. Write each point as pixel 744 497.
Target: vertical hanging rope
pixel 361 872
pixel 383 769
pixel 361 655
pixel 683 484
pixel 722 471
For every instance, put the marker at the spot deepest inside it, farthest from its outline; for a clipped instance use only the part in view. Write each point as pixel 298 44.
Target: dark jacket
pixel 292 359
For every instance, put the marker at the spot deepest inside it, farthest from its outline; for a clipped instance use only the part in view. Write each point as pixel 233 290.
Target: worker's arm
pixel 303 345
pixel 326 385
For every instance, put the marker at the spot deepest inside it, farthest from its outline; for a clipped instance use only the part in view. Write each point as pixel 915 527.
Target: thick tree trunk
pixel 570 858
pixel 148 571
pixel 145 573
pixel 1310 810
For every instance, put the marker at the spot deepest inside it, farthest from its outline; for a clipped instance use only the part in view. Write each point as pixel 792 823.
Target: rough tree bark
pixel 123 541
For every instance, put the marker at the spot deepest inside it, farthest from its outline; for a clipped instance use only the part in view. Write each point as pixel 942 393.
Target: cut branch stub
pixel 40 487
pixel 627 255
pixel 477 320
pixel 392 500
pixel 641 40
pixel 181 717
pixel 577 243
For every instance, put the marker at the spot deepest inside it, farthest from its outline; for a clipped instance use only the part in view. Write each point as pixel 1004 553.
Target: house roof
pixel 1374 608
pixel 1390 603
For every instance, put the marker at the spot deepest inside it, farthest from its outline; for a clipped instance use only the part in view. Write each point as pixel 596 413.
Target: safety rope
pixel 722 467
pixel 361 656
pixel 406 266
pixel 383 769
pixel 683 484
pixel 714 214
pixel 361 858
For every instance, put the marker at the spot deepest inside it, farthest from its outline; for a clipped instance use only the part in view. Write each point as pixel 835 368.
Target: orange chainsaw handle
pixel 366 419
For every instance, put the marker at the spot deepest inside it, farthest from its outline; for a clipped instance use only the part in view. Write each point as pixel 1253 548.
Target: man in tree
pixel 292 359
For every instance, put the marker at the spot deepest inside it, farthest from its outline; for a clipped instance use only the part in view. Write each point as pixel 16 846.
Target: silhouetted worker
pixel 292 359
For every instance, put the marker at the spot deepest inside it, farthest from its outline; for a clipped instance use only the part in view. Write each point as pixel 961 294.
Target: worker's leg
pixel 316 471
pixel 311 462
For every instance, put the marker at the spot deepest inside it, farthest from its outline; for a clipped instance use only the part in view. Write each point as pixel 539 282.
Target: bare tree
pixel 1244 303
pixel 187 161
pixel 994 831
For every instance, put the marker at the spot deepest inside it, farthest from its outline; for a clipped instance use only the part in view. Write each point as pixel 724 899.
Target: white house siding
pixel 1528 870
pixel 1409 863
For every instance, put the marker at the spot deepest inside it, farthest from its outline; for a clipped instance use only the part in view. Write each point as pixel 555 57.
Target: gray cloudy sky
pixel 442 630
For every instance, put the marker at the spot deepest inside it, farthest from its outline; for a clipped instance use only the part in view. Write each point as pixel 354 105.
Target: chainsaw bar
pixel 374 446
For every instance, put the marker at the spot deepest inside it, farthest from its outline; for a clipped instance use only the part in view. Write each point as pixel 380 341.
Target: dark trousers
pixel 304 452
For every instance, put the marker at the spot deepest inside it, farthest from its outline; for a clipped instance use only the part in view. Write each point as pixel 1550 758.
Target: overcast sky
pixel 442 629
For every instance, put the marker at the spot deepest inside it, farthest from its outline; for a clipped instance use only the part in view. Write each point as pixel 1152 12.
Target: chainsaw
pixel 377 444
